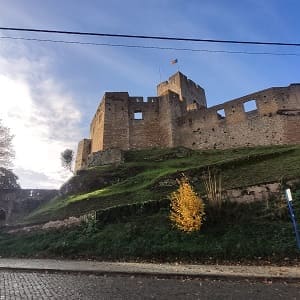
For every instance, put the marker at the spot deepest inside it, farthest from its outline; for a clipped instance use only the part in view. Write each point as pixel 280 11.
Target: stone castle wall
pixel 105 157
pixel 83 151
pixel 178 116
pixel 15 204
pixel 292 129
pixel 144 122
pixel 274 121
pixel 116 123
pixel 97 128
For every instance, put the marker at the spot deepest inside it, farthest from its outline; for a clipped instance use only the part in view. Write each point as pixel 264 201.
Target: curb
pixel 178 275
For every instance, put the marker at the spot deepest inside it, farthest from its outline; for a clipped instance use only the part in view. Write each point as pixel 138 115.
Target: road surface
pixel 42 285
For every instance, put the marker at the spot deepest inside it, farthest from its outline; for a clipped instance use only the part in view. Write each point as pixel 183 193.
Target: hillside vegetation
pixel 239 233
pixel 149 175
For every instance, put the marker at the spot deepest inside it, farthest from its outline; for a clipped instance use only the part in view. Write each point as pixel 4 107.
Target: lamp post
pixel 289 200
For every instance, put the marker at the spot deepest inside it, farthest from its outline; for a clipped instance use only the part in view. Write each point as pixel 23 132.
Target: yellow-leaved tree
pixel 187 208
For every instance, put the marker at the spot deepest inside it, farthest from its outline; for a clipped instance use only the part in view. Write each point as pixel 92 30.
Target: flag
pixel 174 61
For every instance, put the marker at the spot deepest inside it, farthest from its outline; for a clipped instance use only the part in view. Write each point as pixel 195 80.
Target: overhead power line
pixel 150 47
pixel 168 38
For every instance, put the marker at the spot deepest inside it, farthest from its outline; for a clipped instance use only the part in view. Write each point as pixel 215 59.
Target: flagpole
pixel 159 73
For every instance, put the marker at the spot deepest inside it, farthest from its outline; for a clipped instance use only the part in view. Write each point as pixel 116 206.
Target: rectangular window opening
pixel 221 114
pixel 138 115
pixel 250 106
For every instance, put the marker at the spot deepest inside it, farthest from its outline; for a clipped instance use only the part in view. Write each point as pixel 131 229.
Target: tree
pixel 8 180
pixel 187 208
pixel 67 158
pixel 6 149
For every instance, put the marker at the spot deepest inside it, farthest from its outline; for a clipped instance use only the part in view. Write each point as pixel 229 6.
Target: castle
pixel 179 116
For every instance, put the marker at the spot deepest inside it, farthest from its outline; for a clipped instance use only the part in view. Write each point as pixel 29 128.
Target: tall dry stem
pixel 213 188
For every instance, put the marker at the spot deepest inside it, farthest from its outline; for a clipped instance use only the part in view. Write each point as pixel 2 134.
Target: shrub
pixel 187 208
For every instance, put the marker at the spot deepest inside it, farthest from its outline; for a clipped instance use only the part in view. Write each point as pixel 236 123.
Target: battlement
pixel 178 116
pixel 135 99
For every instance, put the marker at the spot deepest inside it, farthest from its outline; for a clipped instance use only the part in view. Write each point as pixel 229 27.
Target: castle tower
pixel 83 151
pixel 188 90
pixel 109 128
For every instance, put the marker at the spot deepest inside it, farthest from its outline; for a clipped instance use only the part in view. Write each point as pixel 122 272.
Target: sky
pixel 49 92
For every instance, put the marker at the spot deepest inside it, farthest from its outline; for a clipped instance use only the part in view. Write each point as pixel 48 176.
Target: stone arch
pixel 2 215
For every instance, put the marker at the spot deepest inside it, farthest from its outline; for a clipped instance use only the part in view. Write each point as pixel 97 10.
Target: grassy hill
pixel 131 202
pixel 150 175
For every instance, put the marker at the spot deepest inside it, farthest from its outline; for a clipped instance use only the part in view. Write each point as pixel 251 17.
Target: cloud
pixel 41 179
pixel 43 117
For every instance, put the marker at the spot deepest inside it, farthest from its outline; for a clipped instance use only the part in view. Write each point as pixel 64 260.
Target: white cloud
pixel 43 118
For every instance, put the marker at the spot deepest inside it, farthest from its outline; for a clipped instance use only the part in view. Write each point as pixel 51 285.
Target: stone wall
pixel 19 203
pixel 97 128
pixel 292 127
pixel 263 192
pixel 230 124
pixel 144 124
pixel 83 151
pixel 174 109
pixel 109 127
pixel 105 157
pixel 116 124
pixel 253 131
pixel 260 192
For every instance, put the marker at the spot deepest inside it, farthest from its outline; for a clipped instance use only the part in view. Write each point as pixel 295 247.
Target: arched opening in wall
pixel 2 215
pixel 221 114
pixel 250 106
pixel 138 115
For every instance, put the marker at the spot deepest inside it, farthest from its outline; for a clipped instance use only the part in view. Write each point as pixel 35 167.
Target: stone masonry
pixel 17 203
pixel 178 116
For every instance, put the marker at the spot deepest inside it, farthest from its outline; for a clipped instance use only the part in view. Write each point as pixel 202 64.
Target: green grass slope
pixel 240 233
pixel 146 175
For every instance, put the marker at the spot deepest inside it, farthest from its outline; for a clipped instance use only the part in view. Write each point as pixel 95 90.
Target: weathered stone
pixel 254 193
pixel 83 151
pixel 167 183
pixel 18 203
pixel 109 156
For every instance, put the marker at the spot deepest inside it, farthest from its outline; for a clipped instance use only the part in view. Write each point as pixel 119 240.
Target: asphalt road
pixel 32 285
